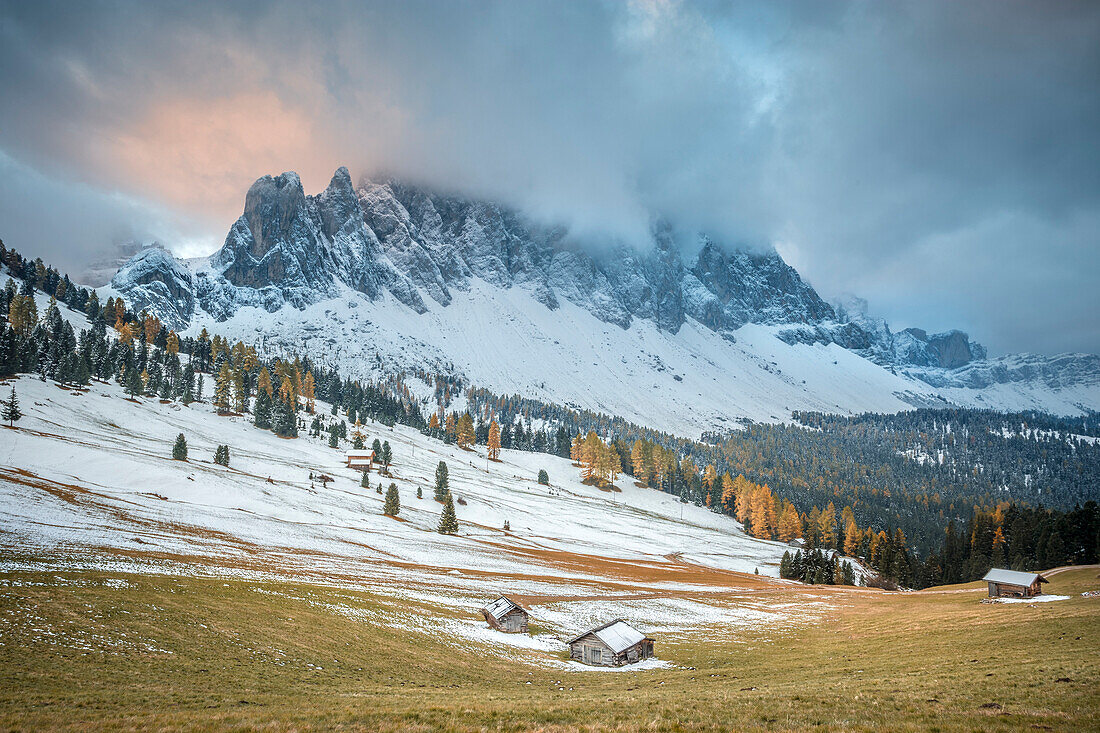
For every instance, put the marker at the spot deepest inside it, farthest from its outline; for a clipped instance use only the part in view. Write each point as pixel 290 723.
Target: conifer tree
pixel 11 413
pixel 386 456
pixel 544 478
pixel 827 523
pixel 376 446
pixel 179 450
pixel 639 462
pixel 262 418
pixel 365 481
pixel 419 492
pixel 222 386
pixel 240 394
pixel 448 522
pixel 133 384
pixel 357 443
pixel 790 524
pixel 333 437
pixel 465 431
pixel 263 383
pixel 286 421
pixel 493 441
pixel 392 505
pixel 852 539
pixel 441 481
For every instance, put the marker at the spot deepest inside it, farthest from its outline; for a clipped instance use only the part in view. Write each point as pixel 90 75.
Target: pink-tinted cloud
pixel 202 154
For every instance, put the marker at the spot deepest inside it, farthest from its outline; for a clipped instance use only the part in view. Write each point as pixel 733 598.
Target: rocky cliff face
pixel 386 238
pixel 290 248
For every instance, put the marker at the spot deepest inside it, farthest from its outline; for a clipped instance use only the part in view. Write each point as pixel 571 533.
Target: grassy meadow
pixel 112 651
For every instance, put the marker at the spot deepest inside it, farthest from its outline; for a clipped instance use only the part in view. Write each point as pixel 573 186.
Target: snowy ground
pixel 506 341
pixel 685 383
pixel 86 480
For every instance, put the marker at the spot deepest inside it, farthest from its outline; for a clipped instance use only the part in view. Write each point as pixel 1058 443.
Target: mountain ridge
pixel 385 240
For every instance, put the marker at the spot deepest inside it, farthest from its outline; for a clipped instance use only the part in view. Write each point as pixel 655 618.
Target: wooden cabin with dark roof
pixel 506 615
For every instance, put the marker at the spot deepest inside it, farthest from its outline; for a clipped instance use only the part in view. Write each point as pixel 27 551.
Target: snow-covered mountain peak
pixel 385 245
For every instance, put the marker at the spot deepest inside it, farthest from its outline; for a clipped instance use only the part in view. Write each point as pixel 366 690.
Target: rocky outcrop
pixel 389 239
pixel 156 281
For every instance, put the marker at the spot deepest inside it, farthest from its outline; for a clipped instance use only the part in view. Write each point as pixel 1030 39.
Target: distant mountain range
pixel 388 277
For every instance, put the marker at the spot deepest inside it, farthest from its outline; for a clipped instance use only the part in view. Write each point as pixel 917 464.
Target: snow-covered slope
pixel 388 276
pixel 687 382
pixel 92 469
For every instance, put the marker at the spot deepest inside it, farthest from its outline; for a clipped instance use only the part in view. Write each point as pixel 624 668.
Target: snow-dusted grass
pixel 86 481
pixel 105 650
pixel 118 453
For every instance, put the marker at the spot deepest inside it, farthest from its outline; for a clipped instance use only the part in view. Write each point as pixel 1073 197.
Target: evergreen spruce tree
pixel 386 456
pixel 179 450
pixel 419 492
pixel 448 522
pixel 376 446
pixel 262 416
pixel 365 481
pixel 785 565
pixel 286 422
pixel 441 482
pixel 544 478
pixel 357 444
pixel 11 409
pixel 334 437
pixel 393 503
pixel 133 384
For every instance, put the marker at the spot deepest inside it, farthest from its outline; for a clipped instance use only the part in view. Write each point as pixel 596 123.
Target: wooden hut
pixel 360 460
pixel 611 645
pixel 1013 583
pixel 506 615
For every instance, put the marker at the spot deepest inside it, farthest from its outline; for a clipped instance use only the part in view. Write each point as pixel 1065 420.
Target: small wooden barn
pixel 506 615
pixel 1013 583
pixel 611 645
pixel 360 460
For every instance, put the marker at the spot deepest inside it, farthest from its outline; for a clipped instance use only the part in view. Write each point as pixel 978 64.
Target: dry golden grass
pixel 202 654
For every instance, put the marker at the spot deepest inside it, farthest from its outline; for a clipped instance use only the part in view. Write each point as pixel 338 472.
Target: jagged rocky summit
pixel 288 248
pixel 389 239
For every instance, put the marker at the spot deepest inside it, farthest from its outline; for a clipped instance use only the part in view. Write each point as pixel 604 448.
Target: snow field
pixel 87 475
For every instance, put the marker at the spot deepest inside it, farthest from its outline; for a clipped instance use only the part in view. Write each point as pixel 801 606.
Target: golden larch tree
pixel 493 442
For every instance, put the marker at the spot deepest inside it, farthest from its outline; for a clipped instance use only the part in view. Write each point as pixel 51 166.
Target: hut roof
pixel 360 453
pixel 618 635
pixel 502 606
pixel 1012 577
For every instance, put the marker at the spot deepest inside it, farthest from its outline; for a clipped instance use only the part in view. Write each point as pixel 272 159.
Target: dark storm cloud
pixel 940 158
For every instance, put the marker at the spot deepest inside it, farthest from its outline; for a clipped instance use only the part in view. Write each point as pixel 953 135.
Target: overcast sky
pixel 941 159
